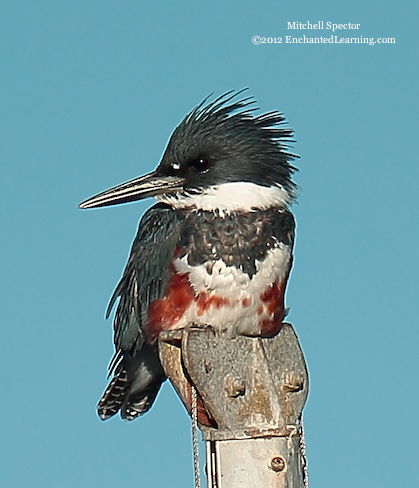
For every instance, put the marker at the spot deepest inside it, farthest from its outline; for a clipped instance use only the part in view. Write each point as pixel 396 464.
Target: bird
pixel 215 250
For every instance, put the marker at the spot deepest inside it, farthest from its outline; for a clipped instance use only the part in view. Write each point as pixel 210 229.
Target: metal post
pixel 251 393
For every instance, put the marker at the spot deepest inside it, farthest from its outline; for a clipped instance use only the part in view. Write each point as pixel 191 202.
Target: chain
pixel 303 454
pixel 296 429
pixel 195 437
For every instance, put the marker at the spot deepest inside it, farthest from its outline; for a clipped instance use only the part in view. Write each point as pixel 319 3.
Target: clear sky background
pixel 90 93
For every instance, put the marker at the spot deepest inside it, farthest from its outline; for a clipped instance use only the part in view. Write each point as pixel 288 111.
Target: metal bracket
pixel 254 390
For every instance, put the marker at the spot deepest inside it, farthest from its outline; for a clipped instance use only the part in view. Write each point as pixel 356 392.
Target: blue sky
pixel 91 91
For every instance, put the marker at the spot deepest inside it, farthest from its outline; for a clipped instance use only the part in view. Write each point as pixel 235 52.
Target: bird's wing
pixel 145 276
pixel 283 227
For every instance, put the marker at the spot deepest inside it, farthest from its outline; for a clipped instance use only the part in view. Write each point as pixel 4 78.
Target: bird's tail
pixel 114 395
pixel 134 387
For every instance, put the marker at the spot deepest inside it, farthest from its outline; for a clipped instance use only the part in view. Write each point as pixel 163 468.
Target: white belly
pixel 237 305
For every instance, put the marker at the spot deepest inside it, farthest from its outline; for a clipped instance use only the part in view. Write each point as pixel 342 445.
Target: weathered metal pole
pixel 251 393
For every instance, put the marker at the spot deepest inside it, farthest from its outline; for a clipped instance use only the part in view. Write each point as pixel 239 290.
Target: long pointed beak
pixel 137 189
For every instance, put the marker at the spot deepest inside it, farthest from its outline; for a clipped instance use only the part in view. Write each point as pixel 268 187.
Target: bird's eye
pixel 202 164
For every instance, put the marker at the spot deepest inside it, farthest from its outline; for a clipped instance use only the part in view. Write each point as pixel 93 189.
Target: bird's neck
pixel 231 197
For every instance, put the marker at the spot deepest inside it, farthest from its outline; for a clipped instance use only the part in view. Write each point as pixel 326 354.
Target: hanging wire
pixel 195 437
pixel 303 454
pixel 298 429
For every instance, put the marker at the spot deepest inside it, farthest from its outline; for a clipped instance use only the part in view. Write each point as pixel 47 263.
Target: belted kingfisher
pixel 217 248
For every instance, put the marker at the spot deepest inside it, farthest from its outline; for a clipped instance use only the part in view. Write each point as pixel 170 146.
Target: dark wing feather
pixel 283 227
pixel 146 274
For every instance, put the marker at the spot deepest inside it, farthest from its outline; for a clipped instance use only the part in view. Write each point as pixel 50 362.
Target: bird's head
pixel 220 155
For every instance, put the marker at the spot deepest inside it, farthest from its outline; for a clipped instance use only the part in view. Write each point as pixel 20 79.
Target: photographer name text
pixel 320 25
